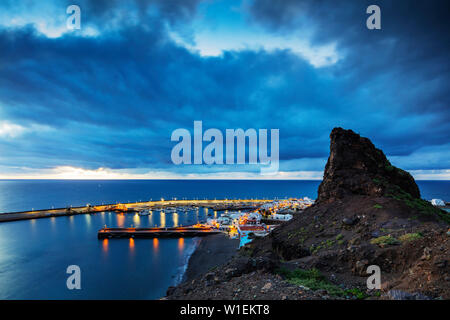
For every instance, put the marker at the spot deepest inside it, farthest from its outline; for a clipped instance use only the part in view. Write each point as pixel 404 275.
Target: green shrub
pixel 357 293
pixel 311 279
pixel 410 237
pixel 423 206
pixel 314 280
pixel 385 240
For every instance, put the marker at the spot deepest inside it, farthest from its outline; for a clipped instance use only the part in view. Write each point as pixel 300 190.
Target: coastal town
pixel 238 219
pixel 259 222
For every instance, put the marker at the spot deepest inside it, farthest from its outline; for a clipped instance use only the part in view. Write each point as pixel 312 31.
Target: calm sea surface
pixel 34 254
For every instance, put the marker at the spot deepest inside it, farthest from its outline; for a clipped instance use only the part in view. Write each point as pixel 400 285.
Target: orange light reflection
pixel 180 244
pixel 105 245
pixel 120 220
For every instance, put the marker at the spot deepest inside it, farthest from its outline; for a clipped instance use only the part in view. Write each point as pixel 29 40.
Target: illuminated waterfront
pixel 34 254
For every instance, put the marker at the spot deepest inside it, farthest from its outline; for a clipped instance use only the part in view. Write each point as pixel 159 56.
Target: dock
pixel 145 233
pixel 216 205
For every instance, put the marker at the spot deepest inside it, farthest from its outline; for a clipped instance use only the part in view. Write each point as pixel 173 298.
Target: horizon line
pixel 175 179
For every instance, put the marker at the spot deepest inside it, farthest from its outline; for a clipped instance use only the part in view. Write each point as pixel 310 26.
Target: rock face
pixel 368 213
pixel 356 167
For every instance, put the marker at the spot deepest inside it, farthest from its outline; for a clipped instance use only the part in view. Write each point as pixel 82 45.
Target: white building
pixel 438 202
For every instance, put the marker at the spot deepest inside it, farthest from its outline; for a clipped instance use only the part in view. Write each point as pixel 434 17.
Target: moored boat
pixel 144 213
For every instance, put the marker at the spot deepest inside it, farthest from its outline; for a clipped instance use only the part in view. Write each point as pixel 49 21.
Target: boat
pixel 144 213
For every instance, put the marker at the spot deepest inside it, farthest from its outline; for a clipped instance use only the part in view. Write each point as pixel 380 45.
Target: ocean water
pixel 34 254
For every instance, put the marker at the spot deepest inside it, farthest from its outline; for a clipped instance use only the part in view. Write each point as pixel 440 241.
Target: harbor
pixel 135 207
pixel 242 219
pixel 244 224
pixel 142 267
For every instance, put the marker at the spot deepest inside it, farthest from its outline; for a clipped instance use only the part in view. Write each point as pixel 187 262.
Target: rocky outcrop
pixel 368 212
pixel 356 167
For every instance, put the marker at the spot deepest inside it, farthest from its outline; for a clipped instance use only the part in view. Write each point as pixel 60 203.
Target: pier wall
pixel 221 204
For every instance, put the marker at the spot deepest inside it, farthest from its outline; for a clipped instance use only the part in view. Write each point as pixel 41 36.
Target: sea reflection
pixel 136 220
pixel 175 219
pixel 163 219
pixel 120 220
pixel 150 219
pixel 88 220
pixel 153 261
pixel 180 244
pixel 105 245
pixel 131 244
pixel 33 225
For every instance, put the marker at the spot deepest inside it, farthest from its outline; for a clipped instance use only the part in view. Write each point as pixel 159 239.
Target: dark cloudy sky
pixel 102 102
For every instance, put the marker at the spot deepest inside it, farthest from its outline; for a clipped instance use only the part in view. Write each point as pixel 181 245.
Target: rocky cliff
pixel 368 212
pixel 356 167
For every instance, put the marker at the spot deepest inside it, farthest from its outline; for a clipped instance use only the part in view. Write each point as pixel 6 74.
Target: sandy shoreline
pixel 212 251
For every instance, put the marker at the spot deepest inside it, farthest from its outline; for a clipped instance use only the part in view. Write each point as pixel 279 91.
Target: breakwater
pixel 217 205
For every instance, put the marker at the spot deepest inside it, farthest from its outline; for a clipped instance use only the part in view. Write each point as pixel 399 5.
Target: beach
pixel 212 251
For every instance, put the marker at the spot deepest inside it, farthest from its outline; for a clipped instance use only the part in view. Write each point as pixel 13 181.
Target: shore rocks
pixel 349 221
pixel 402 295
pixel 266 287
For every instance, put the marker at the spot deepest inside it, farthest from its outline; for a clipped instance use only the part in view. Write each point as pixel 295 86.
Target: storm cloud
pixel 111 100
